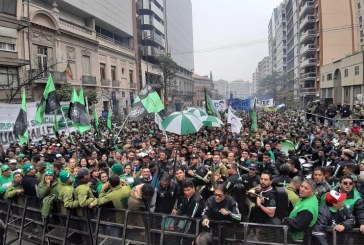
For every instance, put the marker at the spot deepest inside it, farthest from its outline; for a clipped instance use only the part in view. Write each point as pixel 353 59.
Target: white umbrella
pixel 197 112
pixel 182 123
pixel 212 121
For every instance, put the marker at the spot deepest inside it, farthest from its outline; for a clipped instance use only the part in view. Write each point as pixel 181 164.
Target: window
pixel 359 5
pixel 8 7
pixel 329 77
pixel 323 78
pixel 105 104
pixel 86 65
pixel 346 72
pixel 43 59
pixel 356 70
pixel 122 71
pixel 7 46
pixel 8 76
pixel 102 71
pixel 131 75
pixel 347 91
pixel 113 73
pixel 360 19
pixel 123 94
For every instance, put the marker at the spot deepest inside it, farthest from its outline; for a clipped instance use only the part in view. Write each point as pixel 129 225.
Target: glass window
pixel 356 70
pixel 86 65
pixel 8 76
pixel 131 75
pixel 329 77
pixel 8 6
pixel 346 72
pixel 102 71
pixel 113 73
pixel 43 60
pixel 7 46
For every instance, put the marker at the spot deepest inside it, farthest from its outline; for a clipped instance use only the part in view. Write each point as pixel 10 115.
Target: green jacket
pixel 65 195
pixel 5 182
pixel 83 195
pixel 118 196
pixel 43 190
pixel 12 190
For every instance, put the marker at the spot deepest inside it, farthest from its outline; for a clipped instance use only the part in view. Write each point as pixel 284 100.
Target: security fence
pixel 110 226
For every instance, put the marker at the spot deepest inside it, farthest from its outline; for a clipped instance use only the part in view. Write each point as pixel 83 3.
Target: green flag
pixel 150 99
pixel 21 123
pixel 49 101
pixel 81 96
pixel 55 123
pixel 96 119
pixel 77 113
pixel 254 118
pixel 109 114
pixel 210 108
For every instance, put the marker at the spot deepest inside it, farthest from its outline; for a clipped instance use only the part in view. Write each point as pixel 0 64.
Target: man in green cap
pixel 30 181
pixel 65 191
pixel 6 178
pixel 48 185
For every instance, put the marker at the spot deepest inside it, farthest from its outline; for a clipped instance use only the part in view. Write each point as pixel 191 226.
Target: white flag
pixel 158 121
pixel 234 121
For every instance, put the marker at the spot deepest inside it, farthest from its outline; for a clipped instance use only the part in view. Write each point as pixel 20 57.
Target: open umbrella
pixel 211 121
pixel 182 123
pixel 197 112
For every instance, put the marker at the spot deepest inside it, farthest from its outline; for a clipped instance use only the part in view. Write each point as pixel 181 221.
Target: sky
pixel 230 36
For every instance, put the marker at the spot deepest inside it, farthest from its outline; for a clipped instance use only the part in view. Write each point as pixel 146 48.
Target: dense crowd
pixel 212 175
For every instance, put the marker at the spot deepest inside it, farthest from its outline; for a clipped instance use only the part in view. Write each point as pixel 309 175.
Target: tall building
pixel 180 46
pixel 202 83
pixel 165 27
pixel 12 61
pixel 222 87
pixel 240 89
pixel 263 70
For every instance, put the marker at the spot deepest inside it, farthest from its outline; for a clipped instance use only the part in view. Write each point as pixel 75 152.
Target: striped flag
pixel 21 123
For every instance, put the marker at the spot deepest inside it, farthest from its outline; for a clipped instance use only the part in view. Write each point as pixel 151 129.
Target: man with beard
pixel 163 165
pixel 268 166
pixel 166 195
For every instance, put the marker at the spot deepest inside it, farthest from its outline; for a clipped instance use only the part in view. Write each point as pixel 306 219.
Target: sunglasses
pixel 347 183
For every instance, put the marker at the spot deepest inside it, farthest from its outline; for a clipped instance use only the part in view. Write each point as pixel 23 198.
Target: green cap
pixel 64 176
pixel 117 168
pixel 4 168
pixel 27 167
pixel 49 172
pixel 21 155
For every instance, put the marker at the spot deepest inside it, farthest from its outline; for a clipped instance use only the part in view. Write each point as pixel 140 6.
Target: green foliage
pixel 64 94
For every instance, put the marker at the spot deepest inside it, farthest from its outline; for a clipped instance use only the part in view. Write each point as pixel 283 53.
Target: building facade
pixel 202 83
pixel 240 89
pixel 222 88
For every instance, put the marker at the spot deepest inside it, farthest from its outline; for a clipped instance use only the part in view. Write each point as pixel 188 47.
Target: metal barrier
pixel 115 226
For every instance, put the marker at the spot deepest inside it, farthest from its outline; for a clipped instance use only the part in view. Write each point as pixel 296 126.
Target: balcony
pixel 152 37
pixel 308 62
pixel 149 22
pixel 307 36
pixel 151 51
pixel 309 19
pixel 115 45
pixel 188 93
pixel 308 7
pixel 308 49
pixel 59 77
pixel 308 91
pixel 308 76
pixel 116 84
pixel 88 80
pixel 105 82
pixel 147 7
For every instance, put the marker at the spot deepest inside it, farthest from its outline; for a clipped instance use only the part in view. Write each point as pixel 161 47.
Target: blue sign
pixel 239 104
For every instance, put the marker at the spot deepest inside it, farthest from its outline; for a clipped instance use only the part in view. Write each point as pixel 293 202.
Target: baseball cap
pixel 27 167
pixel 12 161
pixel 64 176
pixel 334 197
pixel 253 166
pixel 254 154
pixel 332 153
pixel 49 172
pixel 4 168
pixel 20 155
pixel 58 155
pixel 117 168
pixel 194 156
pixel 348 152
pixel 281 154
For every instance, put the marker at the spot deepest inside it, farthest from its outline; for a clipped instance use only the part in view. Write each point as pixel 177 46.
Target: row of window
pixel 113 73
pixel 346 74
pixel 7 46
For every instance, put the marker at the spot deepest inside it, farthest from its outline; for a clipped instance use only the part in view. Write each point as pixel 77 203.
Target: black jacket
pixel 327 218
pixel 30 184
pixel 212 209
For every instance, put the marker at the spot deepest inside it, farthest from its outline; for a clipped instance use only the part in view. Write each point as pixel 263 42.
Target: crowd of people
pixel 214 175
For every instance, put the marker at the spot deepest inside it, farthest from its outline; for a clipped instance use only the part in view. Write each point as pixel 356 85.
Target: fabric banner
pixel 220 105
pixel 234 121
pixel 264 103
pixel 239 104
pixel 8 116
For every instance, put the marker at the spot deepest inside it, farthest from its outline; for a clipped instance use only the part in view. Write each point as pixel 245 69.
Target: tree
pixel 168 68
pixel 64 94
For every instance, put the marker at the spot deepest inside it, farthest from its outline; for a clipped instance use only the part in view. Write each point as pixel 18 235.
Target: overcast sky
pixel 230 36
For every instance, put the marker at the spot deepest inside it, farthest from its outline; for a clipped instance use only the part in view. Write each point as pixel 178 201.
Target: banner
pixel 8 115
pixel 239 104
pixel 220 105
pixel 234 121
pixel 264 103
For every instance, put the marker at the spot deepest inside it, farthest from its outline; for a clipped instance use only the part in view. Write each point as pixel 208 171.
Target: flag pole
pixel 122 126
pixel 65 120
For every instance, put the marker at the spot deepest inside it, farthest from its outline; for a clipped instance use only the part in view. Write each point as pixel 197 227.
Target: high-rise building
pixel 222 88
pixel 165 27
pixel 240 89
pixel 263 70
